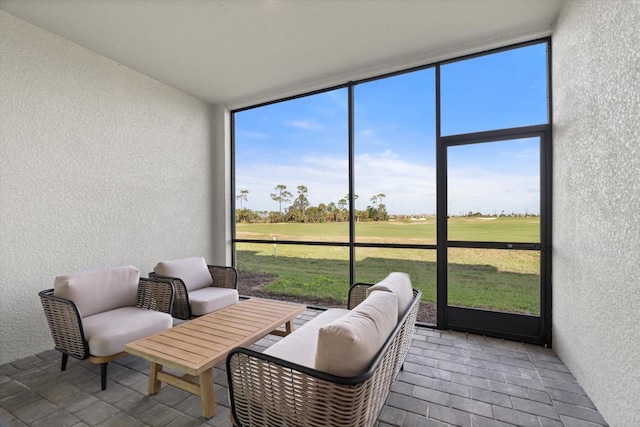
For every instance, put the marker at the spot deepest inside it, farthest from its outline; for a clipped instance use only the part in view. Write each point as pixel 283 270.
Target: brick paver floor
pixel 449 379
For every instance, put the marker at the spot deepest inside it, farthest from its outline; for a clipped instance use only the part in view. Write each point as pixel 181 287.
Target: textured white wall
pixel 99 166
pixel 596 218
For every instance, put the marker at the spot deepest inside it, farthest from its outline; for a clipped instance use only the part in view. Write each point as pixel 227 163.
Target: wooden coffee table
pixel 197 346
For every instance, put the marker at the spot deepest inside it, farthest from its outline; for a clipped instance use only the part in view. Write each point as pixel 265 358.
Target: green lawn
pixel 503 229
pixel 491 279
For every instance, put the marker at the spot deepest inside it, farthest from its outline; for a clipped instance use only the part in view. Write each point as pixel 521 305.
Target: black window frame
pixel 442 142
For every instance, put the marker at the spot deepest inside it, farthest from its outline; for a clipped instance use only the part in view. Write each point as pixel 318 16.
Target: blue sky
pixel 305 141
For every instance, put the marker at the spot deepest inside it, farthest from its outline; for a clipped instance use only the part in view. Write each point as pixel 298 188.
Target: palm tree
pixel 242 196
pixel 281 196
pixel 302 202
pixel 355 197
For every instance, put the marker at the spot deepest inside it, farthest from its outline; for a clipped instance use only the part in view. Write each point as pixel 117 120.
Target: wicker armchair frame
pixel 66 328
pixel 269 391
pixel 221 276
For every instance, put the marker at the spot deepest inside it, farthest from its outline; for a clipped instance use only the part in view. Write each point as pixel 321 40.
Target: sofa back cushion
pixel 398 284
pixel 192 271
pixel 98 291
pixel 347 345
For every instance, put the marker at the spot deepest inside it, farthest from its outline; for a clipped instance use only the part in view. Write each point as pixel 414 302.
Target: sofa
pixel 199 288
pixel 336 370
pixel 94 314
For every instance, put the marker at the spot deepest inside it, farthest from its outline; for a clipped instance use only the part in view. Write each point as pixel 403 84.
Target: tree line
pixel 299 208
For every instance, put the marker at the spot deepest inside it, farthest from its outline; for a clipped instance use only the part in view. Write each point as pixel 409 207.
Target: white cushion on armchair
pixel 192 271
pixel 108 332
pixel 99 290
pixel 206 300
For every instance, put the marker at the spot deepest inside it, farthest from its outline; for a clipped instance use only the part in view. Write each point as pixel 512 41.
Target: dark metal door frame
pixel 526 328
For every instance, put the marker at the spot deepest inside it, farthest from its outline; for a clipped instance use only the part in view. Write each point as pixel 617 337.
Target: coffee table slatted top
pixel 202 343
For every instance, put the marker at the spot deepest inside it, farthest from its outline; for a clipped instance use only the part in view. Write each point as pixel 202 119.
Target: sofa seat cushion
pixel 400 285
pixel 192 271
pixel 108 332
pixel 206 300
pixel 301 345
pixel 346 347
pixel 99 290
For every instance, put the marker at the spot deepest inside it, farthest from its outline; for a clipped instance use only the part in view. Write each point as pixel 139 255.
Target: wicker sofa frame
pixel 222 277
pixel 269 391
pixel 66 328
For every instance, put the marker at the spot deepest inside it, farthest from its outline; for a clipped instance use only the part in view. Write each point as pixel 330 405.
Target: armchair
pixel 92 315
pixel 199 288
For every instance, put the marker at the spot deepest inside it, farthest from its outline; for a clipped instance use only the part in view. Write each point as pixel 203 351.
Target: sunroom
pixel 129 136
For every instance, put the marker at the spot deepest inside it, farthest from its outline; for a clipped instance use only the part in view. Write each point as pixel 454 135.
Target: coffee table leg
pixel 289 326
pixel 154 383
pixel 207 397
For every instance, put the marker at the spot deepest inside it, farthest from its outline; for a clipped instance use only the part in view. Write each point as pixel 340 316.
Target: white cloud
pixel 527 153
pixel 388 154
pixel 305 124
pixel 480 190
pixel 409 187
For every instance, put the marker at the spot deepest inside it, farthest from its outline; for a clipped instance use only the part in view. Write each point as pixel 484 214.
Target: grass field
pixel 481 278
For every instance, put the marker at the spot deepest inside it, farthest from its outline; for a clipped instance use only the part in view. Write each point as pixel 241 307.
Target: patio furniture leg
pixel 207 397
pixel 154 383
pixel 65 359
pixel 103 375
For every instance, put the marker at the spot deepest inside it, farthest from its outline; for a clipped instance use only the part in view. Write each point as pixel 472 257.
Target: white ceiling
pixel 239 52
